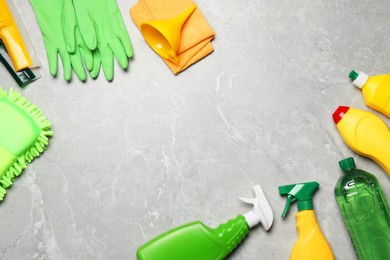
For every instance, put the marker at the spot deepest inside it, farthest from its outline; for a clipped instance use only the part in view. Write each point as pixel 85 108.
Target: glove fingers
pixel 87 57
pixel 86 25
pixel 107 59
pixel 78 66
pixel 128 47
pixel 126 43
pixel 69 23
pixel 52 58
pixel 124 38
pixel 119 53
pixel 122 34
pixel 66 66
pixel 94 72
pixel 86 53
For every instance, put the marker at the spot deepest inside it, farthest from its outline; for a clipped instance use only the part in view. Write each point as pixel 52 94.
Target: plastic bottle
pixel 365 133
pixel 12 38
pixel 196 241
pixel 365 211
pixel 376 90
pixel 311 243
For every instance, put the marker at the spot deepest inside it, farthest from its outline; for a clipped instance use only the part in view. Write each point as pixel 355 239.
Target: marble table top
pixel 150 151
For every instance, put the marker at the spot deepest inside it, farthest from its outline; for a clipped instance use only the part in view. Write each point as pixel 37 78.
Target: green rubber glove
pixel 51 16
pixel 102 28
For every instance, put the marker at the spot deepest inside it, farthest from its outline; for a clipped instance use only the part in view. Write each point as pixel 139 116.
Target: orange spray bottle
pixel 365 133
pixel 311 243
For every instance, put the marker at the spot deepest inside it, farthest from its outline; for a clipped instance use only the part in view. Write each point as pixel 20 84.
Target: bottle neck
pixel 305 205
pixel 251 218
pixel 347 172
pixel 232 232
pixel 361 80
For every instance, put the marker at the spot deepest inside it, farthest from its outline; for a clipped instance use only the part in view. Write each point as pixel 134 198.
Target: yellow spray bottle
pixel 376 90
pixel 311 243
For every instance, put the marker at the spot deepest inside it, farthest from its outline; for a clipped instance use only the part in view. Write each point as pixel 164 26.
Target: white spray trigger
pixel 261 211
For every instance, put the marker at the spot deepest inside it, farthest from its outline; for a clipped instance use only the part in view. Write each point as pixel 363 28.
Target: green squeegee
pixel 24 132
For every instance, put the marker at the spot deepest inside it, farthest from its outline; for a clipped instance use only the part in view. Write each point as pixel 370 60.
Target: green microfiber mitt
pixel 24 132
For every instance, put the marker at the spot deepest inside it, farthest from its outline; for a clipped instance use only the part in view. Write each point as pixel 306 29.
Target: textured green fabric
pixel 51 16
pixel 7 159
pixel 24 133
pixel 102 28
pixel 18 130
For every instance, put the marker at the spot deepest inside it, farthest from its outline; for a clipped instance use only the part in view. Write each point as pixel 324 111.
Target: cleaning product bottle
pixel 365 133
pixel 376 90
pixel 311 243
pixel 12 38
pixel 196 241
pixel 365 211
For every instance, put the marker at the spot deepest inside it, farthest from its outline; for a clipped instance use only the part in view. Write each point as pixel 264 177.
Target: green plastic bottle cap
pixel 347 164
pixel 353 75
pixel 358 79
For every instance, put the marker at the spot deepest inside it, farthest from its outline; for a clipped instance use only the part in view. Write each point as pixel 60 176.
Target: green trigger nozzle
pixel 301 192
pixel 290 199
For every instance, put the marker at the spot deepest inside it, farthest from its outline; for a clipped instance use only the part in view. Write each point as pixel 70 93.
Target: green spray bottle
pixel 311 243
pixel 196 241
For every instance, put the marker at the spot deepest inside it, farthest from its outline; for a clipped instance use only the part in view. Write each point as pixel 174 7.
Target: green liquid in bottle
pixel 365 211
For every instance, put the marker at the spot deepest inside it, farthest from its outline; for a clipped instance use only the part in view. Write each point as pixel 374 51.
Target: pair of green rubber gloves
pixel 86 33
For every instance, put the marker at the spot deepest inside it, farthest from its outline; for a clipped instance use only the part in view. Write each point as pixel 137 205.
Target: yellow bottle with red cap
pixel 365 133
pixel 376 90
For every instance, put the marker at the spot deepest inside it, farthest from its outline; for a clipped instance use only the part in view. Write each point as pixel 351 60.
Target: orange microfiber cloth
pixel 196 34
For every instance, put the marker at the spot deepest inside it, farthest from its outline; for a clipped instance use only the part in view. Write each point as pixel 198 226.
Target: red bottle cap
pixel 339 113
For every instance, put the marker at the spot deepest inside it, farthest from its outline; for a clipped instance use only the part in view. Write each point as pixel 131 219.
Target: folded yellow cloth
pixel 196 34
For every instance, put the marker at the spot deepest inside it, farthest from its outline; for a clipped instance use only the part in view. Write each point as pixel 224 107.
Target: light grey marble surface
pixel 150 151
